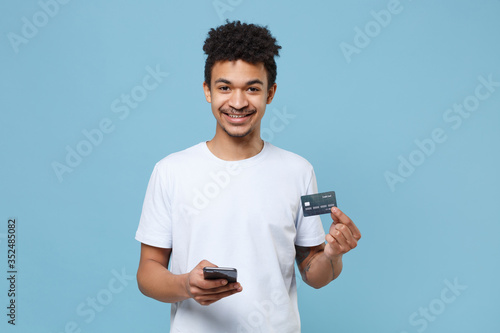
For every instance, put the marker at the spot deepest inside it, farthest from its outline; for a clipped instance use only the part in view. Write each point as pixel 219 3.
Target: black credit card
pixel 321 203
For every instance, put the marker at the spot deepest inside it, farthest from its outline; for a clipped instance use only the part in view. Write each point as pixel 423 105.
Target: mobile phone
pixel 228 273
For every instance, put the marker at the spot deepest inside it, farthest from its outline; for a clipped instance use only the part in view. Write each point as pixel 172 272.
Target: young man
pixel 235 201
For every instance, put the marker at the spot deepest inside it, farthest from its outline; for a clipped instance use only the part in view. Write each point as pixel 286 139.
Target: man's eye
pixel 224 88
pixel 253 89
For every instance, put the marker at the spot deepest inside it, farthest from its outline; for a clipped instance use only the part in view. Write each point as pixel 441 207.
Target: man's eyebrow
pixel 249 83
pixel 256 81
pixel 221 80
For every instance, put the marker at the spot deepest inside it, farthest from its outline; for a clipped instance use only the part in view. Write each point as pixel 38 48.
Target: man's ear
pixel 270 93
pixel 206 90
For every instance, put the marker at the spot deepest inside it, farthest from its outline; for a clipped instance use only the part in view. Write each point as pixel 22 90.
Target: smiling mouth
pixel 238 115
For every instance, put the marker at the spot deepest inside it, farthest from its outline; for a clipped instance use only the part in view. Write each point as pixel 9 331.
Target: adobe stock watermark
pixel 31 26
pixel 278 121
pixel 373 28
pixel 454 116
pixel 88 309
pixel 121 106
pixel 219 180
pixel 421 319
pixel 263 312
pixel 223 6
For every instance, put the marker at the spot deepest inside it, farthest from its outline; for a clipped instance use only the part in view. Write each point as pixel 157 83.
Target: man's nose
pixel 238 100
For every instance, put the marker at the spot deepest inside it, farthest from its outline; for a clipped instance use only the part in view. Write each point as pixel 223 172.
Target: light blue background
pixel 352 122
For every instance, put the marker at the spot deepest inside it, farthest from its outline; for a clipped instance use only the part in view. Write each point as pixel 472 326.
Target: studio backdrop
pixel 396 104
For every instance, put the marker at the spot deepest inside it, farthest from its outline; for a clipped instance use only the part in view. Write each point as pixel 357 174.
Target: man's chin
pixel 236 134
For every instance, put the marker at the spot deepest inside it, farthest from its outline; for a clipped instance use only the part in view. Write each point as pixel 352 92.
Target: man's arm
pixel 319 265
pixel 156 281
pixel 316 268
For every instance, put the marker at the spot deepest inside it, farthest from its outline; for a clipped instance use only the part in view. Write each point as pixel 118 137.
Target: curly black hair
pixel 248 42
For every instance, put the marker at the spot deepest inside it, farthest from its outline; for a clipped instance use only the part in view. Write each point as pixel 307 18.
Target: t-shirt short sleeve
pixel 155 226
pixel 310 230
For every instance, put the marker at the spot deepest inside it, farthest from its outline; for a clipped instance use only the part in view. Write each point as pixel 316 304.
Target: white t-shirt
pixel 244 214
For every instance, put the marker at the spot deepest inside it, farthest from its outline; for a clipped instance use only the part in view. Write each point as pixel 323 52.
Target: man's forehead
pixel 238 70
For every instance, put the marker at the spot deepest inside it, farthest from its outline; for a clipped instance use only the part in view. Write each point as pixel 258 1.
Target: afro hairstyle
pixel 241 41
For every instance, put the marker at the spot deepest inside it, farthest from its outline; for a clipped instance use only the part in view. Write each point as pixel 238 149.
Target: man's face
pixel 239 95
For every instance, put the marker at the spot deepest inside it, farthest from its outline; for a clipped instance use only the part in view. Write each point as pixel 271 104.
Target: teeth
pixel 235 116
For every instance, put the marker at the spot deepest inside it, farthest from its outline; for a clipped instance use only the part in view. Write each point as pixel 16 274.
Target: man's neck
pixel 230 148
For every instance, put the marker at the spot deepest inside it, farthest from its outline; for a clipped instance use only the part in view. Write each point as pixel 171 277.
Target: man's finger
pixel 211 284
pixel 205 263
pixel 212 298
pixel 339 236
pixel 198 292
pixel 224 289
pixel 342 244
pixel 339 217
pixel 346 232
pixel 333 247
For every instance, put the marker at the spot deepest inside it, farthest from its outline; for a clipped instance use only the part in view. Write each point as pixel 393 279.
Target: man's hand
pixel 321 264
pixel 342 237
pixel 207 292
